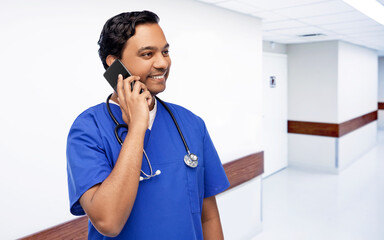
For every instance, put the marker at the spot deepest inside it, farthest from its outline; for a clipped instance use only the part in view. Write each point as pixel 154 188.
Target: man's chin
pixel 156 90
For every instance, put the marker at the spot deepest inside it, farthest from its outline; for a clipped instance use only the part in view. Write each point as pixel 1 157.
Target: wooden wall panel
pixel 351 125
pixel 313 128
pixel 73 230
pixel 244 169
pixel 331 129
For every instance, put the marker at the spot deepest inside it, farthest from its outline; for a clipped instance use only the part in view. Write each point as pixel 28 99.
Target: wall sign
pixel 272 81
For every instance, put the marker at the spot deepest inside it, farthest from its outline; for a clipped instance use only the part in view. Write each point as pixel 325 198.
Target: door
pixel 275 109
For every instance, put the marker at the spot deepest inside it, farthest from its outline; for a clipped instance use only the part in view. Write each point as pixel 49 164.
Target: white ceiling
pixel 285 20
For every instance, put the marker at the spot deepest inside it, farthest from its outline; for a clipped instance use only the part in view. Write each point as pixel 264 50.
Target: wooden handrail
pixel 76 229
pixel 331 129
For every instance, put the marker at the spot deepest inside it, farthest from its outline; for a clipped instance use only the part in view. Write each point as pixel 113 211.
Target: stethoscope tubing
pixel 176 124
pixel 118 125
pixel 190 159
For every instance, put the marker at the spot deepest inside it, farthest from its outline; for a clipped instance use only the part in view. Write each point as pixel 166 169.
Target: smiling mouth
pixel 159 76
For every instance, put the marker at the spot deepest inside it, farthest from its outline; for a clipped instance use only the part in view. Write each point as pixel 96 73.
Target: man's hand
pixel 134 103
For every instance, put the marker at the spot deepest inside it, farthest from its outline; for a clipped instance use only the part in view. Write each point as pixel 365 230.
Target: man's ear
pixel 110 59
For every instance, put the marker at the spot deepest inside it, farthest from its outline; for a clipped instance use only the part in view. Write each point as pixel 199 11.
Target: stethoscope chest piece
pixel 191 160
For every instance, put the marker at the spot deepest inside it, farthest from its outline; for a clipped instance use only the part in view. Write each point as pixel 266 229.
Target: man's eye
pixel 147 54
pixel 166 52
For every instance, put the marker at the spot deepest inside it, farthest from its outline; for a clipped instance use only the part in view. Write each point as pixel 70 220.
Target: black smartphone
pixel 112 73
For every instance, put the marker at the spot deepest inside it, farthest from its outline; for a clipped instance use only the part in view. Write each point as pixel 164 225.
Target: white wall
pixel 51 72
pixel 357 95
pixel 312 82
pixel 381 79
pixel 380 121
pixel 312 97
pixel 249 207
pixel 354 144
pixel 275 113
pixel 330 82
pixel 312 152
pixel 357 81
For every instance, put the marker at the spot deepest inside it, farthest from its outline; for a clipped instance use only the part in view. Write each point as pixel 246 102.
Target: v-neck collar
pixel 154 129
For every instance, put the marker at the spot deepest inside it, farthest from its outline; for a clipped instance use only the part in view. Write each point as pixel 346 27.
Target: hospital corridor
pixel 300 204
pixel 265 119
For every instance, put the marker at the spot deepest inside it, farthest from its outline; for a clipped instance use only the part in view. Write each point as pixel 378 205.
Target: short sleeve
pixel 215 178
pixel 87 164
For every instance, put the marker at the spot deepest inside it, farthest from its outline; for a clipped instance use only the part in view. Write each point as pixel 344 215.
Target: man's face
pixel 146 55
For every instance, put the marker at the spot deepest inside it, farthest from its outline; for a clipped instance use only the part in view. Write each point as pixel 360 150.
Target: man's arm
pixel 109 204
pixel 210 220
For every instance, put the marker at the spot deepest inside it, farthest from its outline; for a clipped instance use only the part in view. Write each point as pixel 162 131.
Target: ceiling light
pixel 381 2
pixel 371 8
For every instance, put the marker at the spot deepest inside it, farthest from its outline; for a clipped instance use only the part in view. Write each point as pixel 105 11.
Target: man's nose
pixel 161 62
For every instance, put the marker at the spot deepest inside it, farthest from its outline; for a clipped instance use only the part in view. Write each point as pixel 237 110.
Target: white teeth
pixel 158 77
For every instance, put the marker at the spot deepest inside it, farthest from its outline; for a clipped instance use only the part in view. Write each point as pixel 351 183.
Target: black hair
pixel 118 29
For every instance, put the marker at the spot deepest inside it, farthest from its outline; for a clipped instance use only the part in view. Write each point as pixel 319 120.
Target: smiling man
pixel 111 171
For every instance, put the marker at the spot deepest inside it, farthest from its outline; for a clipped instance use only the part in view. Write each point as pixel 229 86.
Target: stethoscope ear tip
pixel 158 172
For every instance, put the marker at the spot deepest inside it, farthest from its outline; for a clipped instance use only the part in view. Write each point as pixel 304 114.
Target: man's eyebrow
pixel 152 48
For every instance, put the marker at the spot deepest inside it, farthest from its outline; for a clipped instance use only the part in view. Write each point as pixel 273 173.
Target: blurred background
pixel 301 81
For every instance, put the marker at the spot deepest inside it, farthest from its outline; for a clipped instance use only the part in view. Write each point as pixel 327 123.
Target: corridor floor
pixel 300 205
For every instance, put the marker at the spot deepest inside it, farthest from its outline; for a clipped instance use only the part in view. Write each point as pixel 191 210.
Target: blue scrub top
pixel 167 206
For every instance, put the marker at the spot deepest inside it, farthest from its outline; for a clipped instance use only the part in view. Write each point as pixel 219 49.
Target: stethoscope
pixel 190 159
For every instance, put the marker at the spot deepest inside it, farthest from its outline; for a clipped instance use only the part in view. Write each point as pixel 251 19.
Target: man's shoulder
pixel 186 115
pixel 89 115
pixel 180 110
